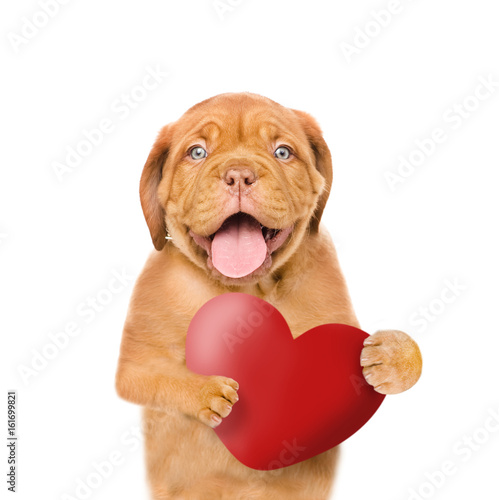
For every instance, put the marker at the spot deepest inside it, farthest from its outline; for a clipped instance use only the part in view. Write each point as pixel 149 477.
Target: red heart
pixel 297 398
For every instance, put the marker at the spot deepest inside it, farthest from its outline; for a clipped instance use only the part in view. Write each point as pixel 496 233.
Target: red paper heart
pixel 297 398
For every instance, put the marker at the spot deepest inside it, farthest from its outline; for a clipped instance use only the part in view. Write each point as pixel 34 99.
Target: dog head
pixel 238 182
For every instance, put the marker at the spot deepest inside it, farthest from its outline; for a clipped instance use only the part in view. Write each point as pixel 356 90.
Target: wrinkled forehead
pixel 239 120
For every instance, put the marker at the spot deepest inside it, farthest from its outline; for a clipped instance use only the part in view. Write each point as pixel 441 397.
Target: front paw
pixel 216 397
pixel 392 361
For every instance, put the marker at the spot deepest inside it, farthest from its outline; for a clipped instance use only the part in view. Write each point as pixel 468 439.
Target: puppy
pixel 233 193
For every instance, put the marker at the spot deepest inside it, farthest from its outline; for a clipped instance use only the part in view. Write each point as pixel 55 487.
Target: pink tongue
pixel 238 247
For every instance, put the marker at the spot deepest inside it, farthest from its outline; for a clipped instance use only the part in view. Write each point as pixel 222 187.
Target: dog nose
pixel 241 176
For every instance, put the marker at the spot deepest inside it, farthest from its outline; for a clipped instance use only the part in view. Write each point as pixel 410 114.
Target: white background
pixel 61 240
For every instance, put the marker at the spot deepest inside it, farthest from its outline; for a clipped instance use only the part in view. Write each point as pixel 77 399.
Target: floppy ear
pixel 152 174
pixel 323 162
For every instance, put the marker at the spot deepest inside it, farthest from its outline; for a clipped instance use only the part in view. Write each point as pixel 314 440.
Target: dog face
pixel 238 180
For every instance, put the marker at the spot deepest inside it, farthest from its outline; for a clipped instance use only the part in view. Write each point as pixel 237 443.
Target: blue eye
pixel 198 153
pixel 282 153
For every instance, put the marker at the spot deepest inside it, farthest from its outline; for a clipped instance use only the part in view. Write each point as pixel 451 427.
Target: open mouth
pixel 241 245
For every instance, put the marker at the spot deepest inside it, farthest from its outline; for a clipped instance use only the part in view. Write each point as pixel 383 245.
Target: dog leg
pixel 167 386
pixel 392 361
